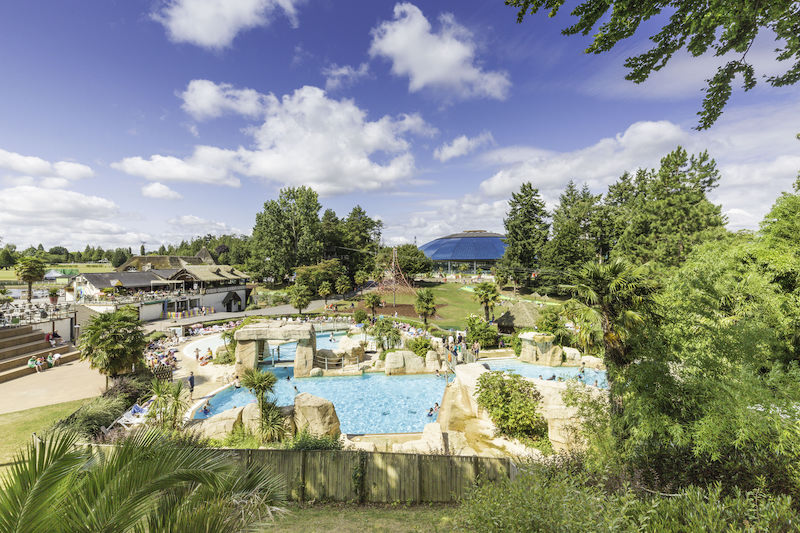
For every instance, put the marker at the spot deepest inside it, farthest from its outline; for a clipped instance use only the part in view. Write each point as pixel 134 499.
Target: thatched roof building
pixel 520 315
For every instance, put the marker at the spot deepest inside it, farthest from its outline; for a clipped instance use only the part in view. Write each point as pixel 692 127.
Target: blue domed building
pixel 479 249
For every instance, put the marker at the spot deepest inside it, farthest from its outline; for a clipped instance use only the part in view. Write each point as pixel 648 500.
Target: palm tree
pixel 146 482
pixel 29 270
pixel 488 296
pixel 372 300
pixel 169 403
pixel 113 342
pixel 425 305
pixel 325 290
pixel 616 299
pixel 299 297
pixel 342 285
pixel 261 384
pixel 388 335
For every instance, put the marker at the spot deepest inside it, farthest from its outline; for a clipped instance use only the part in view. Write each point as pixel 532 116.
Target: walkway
pixel 64 383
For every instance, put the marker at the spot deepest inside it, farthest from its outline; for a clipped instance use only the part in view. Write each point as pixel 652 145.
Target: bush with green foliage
pixel 360 316
pixel 304 440
pixel 512 403
pixel 420 345
pixel 560 497
pixel 480 330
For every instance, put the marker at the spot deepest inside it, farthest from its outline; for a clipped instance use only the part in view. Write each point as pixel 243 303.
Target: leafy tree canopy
pixel 724 28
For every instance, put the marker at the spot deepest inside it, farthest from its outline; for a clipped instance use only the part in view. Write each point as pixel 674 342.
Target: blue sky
pixel 127 122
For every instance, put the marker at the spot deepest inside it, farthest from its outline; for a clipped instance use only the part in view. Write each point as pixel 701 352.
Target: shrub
pixel 420 346
pixel 240 437
pixel 512 403
pixel 360 316
pixel 480 330
pixel 224 356
pixel 548 498
pixel 88 419
pixel 304 440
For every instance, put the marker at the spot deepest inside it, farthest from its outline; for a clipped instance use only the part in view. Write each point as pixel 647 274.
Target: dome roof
pixel 476 245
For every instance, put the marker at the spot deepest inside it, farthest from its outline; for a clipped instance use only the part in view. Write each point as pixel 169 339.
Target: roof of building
pixel 166 262
pixel 476 245
pixel 130 280
pixel 211 273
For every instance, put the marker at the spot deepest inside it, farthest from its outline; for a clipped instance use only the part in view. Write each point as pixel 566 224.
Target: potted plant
pixel 53 294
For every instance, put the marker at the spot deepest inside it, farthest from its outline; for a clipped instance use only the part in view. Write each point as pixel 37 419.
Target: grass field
pixel 16 428
pixel 345 518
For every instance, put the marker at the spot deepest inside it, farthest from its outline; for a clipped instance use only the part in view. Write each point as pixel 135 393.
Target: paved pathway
pixel 63 383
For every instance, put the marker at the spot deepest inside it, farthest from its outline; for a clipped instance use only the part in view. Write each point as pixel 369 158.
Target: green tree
pixel 325 290
pixel 146 482
pixel 617 299
pixel 697 27
pixel 412 260
pixel 387 335
pixel 425 305
pixel 29 270
pixel 671 212
pixel 119 257
pixel 571 243
pixel 261 384
pixel 343 285
pixel 299 297
pixel 361 236
pixel 7 259
pixel 526 229
pixel 361 278
pixel 113 342
pixel 488 296
pixel 372 300
pixel 287 234
pixel 169 403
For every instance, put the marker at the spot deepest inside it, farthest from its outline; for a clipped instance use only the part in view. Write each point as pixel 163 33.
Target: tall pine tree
pixel 526 233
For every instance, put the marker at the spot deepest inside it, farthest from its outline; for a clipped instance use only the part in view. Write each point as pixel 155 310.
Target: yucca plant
pixel 261 384
pixel 146 483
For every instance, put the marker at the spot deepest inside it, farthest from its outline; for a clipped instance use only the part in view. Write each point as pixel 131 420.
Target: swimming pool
pixel 370 403
pixel 286 351
pixel 534 371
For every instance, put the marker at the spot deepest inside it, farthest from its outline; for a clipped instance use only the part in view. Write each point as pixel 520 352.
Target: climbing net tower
pixel 395 281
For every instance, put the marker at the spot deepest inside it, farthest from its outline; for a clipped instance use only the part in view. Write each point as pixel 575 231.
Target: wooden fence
pixel 377 477
pixel 374 477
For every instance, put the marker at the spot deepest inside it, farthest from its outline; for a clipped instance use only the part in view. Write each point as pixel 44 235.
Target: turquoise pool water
pixel 286 351
pixel 546 372
pixel 372 403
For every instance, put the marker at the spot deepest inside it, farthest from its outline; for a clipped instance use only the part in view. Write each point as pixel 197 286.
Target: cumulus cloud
pixel 36 166
pixel 306 139
pixel 208 164
pixel 160 191
pixel 194 225
pixel 31 215
pixel 204 99
pixel 462 145
pixel 338 77
pixel 215 23
pixel 441 60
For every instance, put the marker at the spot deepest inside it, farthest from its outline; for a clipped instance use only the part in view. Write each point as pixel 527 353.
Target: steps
pixel 18 344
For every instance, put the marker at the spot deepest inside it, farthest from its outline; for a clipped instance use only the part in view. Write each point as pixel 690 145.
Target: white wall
pixel 62 326
pixel 151 311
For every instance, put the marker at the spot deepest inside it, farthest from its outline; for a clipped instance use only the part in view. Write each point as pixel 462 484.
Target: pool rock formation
pixel 315 414
pixel 403 362
pixel 251 339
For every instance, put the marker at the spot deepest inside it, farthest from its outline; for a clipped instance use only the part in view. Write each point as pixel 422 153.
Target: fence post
pixel 302 491
pixel 419 478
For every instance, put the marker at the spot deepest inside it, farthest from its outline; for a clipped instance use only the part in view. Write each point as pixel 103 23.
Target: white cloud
pixel 36 166
pixel 462 145
pixel 443 60
pixel 193 225
pixel 31 215
pixel 215 23
pixel 306 139
pixel 337 77
pixel 208 164
pixel 54 183
pixel 204 99
pixel 160 191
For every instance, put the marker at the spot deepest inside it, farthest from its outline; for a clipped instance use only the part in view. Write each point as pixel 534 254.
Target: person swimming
pixel 436 407
pixel 430 413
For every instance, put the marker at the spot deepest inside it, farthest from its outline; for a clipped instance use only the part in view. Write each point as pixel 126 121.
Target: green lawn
pixel 345 518
pixel 16 428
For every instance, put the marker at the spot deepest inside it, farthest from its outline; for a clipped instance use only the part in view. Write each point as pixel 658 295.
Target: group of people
pixel 161 353
pixel 205 358
pixel 433 410
pixel 42 363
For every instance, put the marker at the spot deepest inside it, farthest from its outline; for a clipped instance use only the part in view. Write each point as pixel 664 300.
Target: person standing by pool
pixel 191 385
pixel 197 354
pixel 236 383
